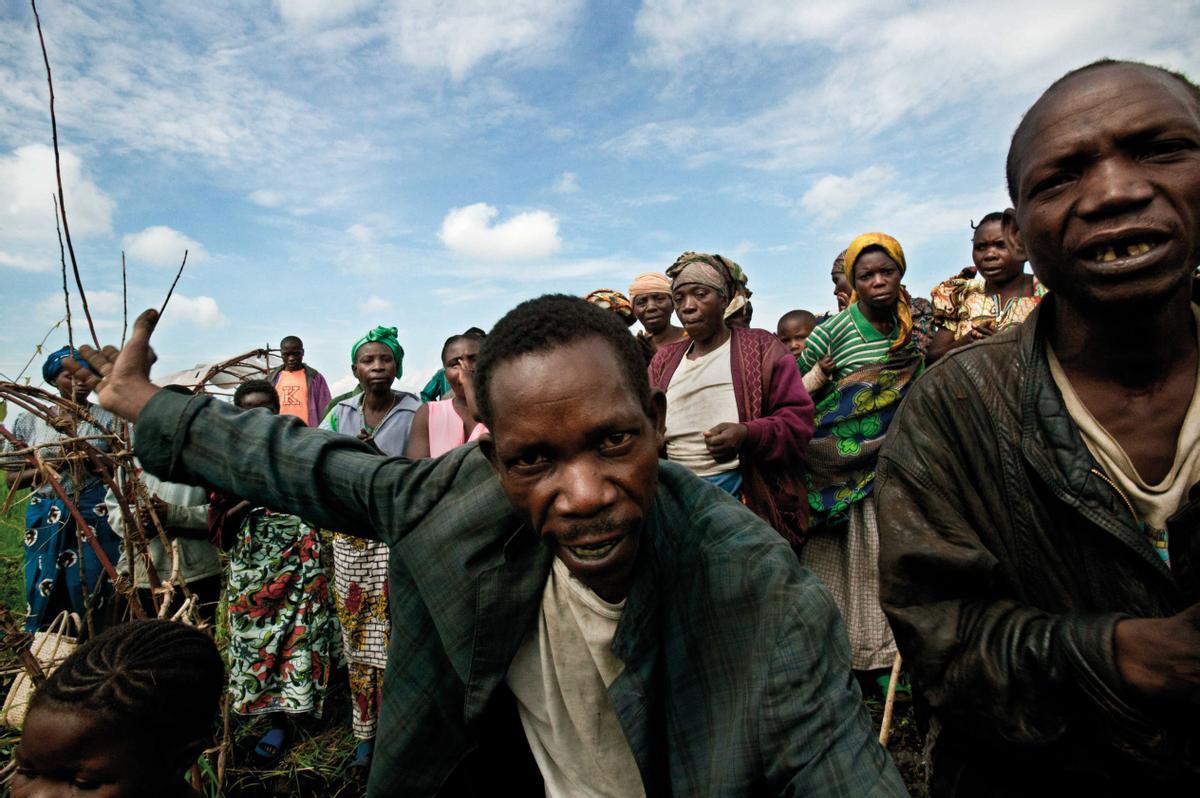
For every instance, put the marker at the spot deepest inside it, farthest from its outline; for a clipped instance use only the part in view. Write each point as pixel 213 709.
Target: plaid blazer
pixel 737 670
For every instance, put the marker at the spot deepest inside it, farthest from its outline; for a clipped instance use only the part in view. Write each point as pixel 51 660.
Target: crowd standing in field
pixel 592 562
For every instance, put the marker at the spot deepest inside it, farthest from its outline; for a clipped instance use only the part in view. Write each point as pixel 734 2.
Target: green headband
pixel 385 336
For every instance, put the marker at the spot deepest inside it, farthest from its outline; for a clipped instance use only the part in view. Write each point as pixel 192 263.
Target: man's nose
pixel 582 490
pixel 1113 185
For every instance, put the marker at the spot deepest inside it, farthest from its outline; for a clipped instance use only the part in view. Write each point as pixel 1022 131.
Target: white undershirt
pixel 699 397
pixel 560 678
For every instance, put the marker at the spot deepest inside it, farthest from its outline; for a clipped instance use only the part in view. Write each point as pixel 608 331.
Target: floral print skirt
pixel 283 633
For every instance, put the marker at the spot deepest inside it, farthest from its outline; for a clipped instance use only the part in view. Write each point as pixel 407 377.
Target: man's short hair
pixel 1010 166
pixel 291 339
pixel 255 386
pixel 549 322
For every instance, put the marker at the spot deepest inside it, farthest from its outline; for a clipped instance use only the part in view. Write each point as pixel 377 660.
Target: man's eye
pixel 1050 183
pixel 528 461
pixel 615 440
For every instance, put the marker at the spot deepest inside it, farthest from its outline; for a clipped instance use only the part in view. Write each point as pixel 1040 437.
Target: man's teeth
pixel 1107 254
pixel 593 551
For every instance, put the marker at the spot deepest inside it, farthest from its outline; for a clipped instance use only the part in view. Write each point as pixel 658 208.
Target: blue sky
pixel 337 164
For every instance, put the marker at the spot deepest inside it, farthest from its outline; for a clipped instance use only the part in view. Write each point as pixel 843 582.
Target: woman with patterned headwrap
pixel 60 567
pixel 737 412
pixel 383 418
pixel 875 359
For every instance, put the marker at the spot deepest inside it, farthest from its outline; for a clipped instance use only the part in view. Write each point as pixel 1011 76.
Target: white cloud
pixel 26 211
pixel 24 263
pixel 201 311
pixel 470 231
pixel 832 196
pixel 917 66
pixel 374 304
pixel 457 35
pixel 312 13
pixel 567 183
pixel 266 198
pixel 162 246
pixel 361 233
pixel 99 302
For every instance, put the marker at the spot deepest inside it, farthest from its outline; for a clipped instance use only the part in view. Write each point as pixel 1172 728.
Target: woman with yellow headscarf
pixel 875 359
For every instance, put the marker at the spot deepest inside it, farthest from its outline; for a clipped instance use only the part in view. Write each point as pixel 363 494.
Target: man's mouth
pixel 1120 252
pixel 590 552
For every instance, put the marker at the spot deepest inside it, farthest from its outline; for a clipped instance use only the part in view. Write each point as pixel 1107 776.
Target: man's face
pixel 292 353
pixel 577 452
pixel 841 286
pixel 701 310
pixel 653 311
pixel 252 401
pixel 1107 178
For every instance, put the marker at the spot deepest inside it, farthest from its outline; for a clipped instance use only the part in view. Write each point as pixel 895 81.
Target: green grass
pixel 12 554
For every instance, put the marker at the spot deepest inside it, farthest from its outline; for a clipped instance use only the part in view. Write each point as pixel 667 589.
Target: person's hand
pixel 1159 658
pixel 725 440
pixel 843 300
pixel 120 377
pixel 827 366
pixel 981 329
pixel 60 420
pixel 466 378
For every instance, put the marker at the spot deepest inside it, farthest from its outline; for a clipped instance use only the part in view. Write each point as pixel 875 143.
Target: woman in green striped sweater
pixel 875 358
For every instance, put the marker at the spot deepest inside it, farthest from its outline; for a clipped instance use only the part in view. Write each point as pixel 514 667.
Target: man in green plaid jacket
pixel 557 590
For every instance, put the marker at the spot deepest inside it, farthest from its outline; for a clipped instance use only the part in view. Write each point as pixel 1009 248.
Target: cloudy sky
pixel 336 164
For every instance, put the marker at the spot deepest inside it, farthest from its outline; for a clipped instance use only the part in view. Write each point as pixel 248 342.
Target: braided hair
pixel 161 680
pixel 994 216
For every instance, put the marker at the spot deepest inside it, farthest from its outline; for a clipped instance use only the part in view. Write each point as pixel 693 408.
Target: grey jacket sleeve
pixel 330 480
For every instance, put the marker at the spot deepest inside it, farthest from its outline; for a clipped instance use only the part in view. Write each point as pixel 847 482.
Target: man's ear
pixel 1013 239
pixel 658 416
pixel 488 446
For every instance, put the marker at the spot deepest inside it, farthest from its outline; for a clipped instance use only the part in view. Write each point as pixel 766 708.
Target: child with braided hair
pixel 125 716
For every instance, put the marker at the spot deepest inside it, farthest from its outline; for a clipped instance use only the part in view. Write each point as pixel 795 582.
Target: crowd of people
pixel 585 561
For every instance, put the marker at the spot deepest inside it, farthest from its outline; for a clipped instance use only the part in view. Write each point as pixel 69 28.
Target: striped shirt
pixel 850 339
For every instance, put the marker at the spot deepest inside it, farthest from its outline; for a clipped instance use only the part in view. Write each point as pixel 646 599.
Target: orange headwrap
pixel 892 247
pixel 649 283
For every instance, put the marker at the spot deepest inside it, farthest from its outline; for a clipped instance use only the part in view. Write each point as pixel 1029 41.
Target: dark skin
pixel 841 286
pixel 67 753
pixel 458 361
pixel 654 312
pixel 1003 272
pixel 1107 191
pixel 877 281
pixel 375 369
pixel 701 308
pixel 291 350
pixel 576 450
pixel 72 389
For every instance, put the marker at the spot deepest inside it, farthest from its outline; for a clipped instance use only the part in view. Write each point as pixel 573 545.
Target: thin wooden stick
pixel 37 350
pixel 62 257
pixel 124 301
pixel 171 290
pixel 889 705
pixel 62 203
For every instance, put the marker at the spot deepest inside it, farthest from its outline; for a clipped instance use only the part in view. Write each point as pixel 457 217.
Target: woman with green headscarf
pixel 382 417
pixel 875 358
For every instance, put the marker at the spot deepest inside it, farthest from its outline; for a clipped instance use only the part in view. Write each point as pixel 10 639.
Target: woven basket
pixel 49 648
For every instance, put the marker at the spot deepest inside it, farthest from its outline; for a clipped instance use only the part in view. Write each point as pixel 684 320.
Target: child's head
pixel 126 715
pixel 793 329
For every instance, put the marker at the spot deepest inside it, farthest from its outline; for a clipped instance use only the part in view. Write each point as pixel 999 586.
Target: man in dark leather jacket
pixel 1056 649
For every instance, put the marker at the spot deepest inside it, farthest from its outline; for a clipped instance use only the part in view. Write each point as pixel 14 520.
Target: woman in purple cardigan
pixel 737 411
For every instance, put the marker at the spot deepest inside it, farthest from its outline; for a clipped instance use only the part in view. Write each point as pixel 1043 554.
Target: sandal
pixel 362 756
pixel 272 745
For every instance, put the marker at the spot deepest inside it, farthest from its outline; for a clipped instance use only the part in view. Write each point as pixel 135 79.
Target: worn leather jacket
pixel 1007 557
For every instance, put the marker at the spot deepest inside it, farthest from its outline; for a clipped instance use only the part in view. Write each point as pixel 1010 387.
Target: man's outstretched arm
pixel 330 480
